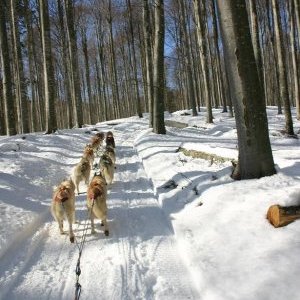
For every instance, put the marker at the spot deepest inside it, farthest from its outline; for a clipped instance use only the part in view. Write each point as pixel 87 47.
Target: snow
pixel 180 228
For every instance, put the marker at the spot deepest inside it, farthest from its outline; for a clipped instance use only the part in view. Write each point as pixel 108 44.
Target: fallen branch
pixel 176 124
pixel 213 158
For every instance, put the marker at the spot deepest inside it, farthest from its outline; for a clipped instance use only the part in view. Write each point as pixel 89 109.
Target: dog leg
pixel 77 186
pixel 92 223
pixel 104 222
pixel 71 233
pixel 70 218
pixel 87 180
pixel 61 225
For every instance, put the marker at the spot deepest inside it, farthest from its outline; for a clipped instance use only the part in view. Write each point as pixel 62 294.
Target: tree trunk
pixel 295 67
pixel 187 56
pixel 255 154
pixel 113 62
pixel 284 94
pixel 159 80
pixel 255 39
pixel 87 76
pixel 136 82
pixel 73 65
pixel 19 70
pixel 9 111
pixel 149 61
pixel 66 62
pixel 200 16
pixel 49 82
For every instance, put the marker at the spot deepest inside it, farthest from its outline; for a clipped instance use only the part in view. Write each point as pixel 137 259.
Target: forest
pixel 66 63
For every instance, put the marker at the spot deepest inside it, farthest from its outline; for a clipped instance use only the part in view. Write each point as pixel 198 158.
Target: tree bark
pixel 284 94
pixel 159 80
pixel 200 16
pixel 255 154
pixel 9 111
pixel 74 68
pixel 49 82
pixel 149 61
pixel 19 70
pixel 187 57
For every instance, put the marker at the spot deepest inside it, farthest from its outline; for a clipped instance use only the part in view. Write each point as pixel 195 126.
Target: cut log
pixel 280 216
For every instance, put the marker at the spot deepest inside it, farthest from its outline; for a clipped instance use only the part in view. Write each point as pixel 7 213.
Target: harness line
pixel 80 248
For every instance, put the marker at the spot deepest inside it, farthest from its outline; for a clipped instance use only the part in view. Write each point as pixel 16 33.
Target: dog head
pixel 95 141
pixel 100 135
pixel 64 191
pixel 88 153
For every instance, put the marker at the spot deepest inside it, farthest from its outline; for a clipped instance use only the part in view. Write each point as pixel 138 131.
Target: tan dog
pixel 96 202
pixel 107 168
pixel 88 153
pixel 96 141
pixel 63 205
pixel 110 141
pixel 81 172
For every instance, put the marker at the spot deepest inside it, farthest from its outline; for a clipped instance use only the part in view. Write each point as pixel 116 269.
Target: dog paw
pixel 106 232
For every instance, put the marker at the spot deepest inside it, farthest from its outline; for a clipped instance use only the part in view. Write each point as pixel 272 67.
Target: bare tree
pixel 255 38
pixel 284 94
pixel 73 65
pixel 187 58
pixel 255 154
pixel 295 66
pixel 134 61
pixel 9 112
pixel 21 94
pixel 200 16
pixel 49 81
pixel 159 79
pixel 148 55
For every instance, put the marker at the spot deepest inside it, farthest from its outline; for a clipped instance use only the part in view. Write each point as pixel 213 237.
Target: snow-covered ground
pixel 180 228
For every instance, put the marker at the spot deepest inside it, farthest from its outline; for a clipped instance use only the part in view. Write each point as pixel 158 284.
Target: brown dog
pixel 81 172
pixel 110 141
pixel 63 204
pixel 96 202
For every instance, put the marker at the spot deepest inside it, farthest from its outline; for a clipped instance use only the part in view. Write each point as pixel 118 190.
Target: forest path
pixel 139 259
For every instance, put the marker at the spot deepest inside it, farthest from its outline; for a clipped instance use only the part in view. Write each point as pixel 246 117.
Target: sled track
pixel 138 261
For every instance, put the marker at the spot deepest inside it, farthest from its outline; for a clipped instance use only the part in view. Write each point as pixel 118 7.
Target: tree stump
pixel 280 216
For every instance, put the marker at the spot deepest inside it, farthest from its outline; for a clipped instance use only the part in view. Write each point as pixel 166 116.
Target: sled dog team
pixel 63 200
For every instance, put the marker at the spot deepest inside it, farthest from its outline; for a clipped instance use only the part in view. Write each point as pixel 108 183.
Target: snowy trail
pixel 139 260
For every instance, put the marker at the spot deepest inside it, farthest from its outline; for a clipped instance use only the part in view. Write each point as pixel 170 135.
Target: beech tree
pixel 159 79
pixel 49 81
pixel 255 154
pixel 9 112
